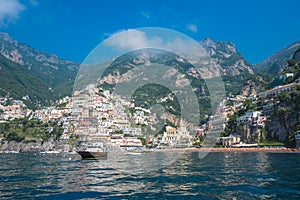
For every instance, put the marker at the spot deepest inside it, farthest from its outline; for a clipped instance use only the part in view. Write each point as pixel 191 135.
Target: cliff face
pixel 284 122
pixel 249 134
pixel 282 126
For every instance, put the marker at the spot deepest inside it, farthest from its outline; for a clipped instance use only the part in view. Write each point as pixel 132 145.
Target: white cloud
pixel 168 40
pixel 192 27
pixel 9 11
pixel 34 2
pixel 132 39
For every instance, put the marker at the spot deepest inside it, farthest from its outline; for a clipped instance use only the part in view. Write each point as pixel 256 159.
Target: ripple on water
pixel 217 176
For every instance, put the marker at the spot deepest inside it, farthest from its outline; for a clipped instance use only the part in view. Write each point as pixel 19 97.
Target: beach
pixel 263 149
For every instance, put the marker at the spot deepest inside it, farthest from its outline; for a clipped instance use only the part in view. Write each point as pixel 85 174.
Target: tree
pixel 57 132
pixel 143 140
pixel 284 97
pixel 249 105
pixel 291 62
pixel 13 136
pixel 231 125
pixel 291 143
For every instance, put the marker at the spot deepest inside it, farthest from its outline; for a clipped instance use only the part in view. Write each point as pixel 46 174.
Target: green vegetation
pixel 19 82
pixel 149 95
pixel 62 105
pixel 118 132
pixel 271 143
pixel 233 84
pixel 294 68
pixel 18 130
pixel 230 126
pixel 143 140
pixel 42 84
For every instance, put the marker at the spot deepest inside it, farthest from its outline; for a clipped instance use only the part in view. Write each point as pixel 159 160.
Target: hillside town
pixel 96 113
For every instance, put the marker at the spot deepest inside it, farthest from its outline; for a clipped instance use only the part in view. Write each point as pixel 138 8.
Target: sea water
pixel 219 175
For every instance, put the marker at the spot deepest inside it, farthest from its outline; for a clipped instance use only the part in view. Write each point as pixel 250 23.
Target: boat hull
pixel 87 155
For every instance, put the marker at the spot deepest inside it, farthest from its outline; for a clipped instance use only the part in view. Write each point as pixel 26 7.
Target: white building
pixel 252 118
pixel 169 136
pixel 230 140
pixel 277 90
pixel 176 138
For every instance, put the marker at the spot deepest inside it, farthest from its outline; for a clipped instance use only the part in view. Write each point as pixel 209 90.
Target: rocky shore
pixel 39 145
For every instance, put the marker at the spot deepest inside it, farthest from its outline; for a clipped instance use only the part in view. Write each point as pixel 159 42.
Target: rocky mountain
pixel 229 61
pixel 227 57
pixel 56 76
pixel 31 65
pixel 278 61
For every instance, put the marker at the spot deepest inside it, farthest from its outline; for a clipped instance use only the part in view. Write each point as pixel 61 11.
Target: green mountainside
pixel 27 71
pixel 18 83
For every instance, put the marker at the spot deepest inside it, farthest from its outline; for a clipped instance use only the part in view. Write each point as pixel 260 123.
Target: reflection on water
pixel 219 175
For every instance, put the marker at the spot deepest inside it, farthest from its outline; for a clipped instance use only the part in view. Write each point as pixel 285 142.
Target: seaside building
pixel 230 140
pixel 255 118
pixel 277 90
pixel 170 136
pixel 200 132
pixel 131 142
pixel 173 137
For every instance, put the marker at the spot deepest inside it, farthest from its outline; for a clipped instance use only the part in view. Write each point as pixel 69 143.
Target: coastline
pixel 222 149
pixel 203 149
pixel 262 149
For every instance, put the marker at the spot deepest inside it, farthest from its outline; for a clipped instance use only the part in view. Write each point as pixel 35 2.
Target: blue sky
pixel 72 28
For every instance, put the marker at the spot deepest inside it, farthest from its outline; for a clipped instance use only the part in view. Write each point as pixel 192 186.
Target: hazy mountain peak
pixel 278 61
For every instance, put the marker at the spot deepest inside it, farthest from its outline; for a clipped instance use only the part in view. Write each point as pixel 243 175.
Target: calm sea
pixel 228 175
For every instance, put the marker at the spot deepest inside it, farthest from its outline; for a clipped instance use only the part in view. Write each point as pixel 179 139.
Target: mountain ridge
pixel 277 62
pixel 59 74
pixel 53 73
